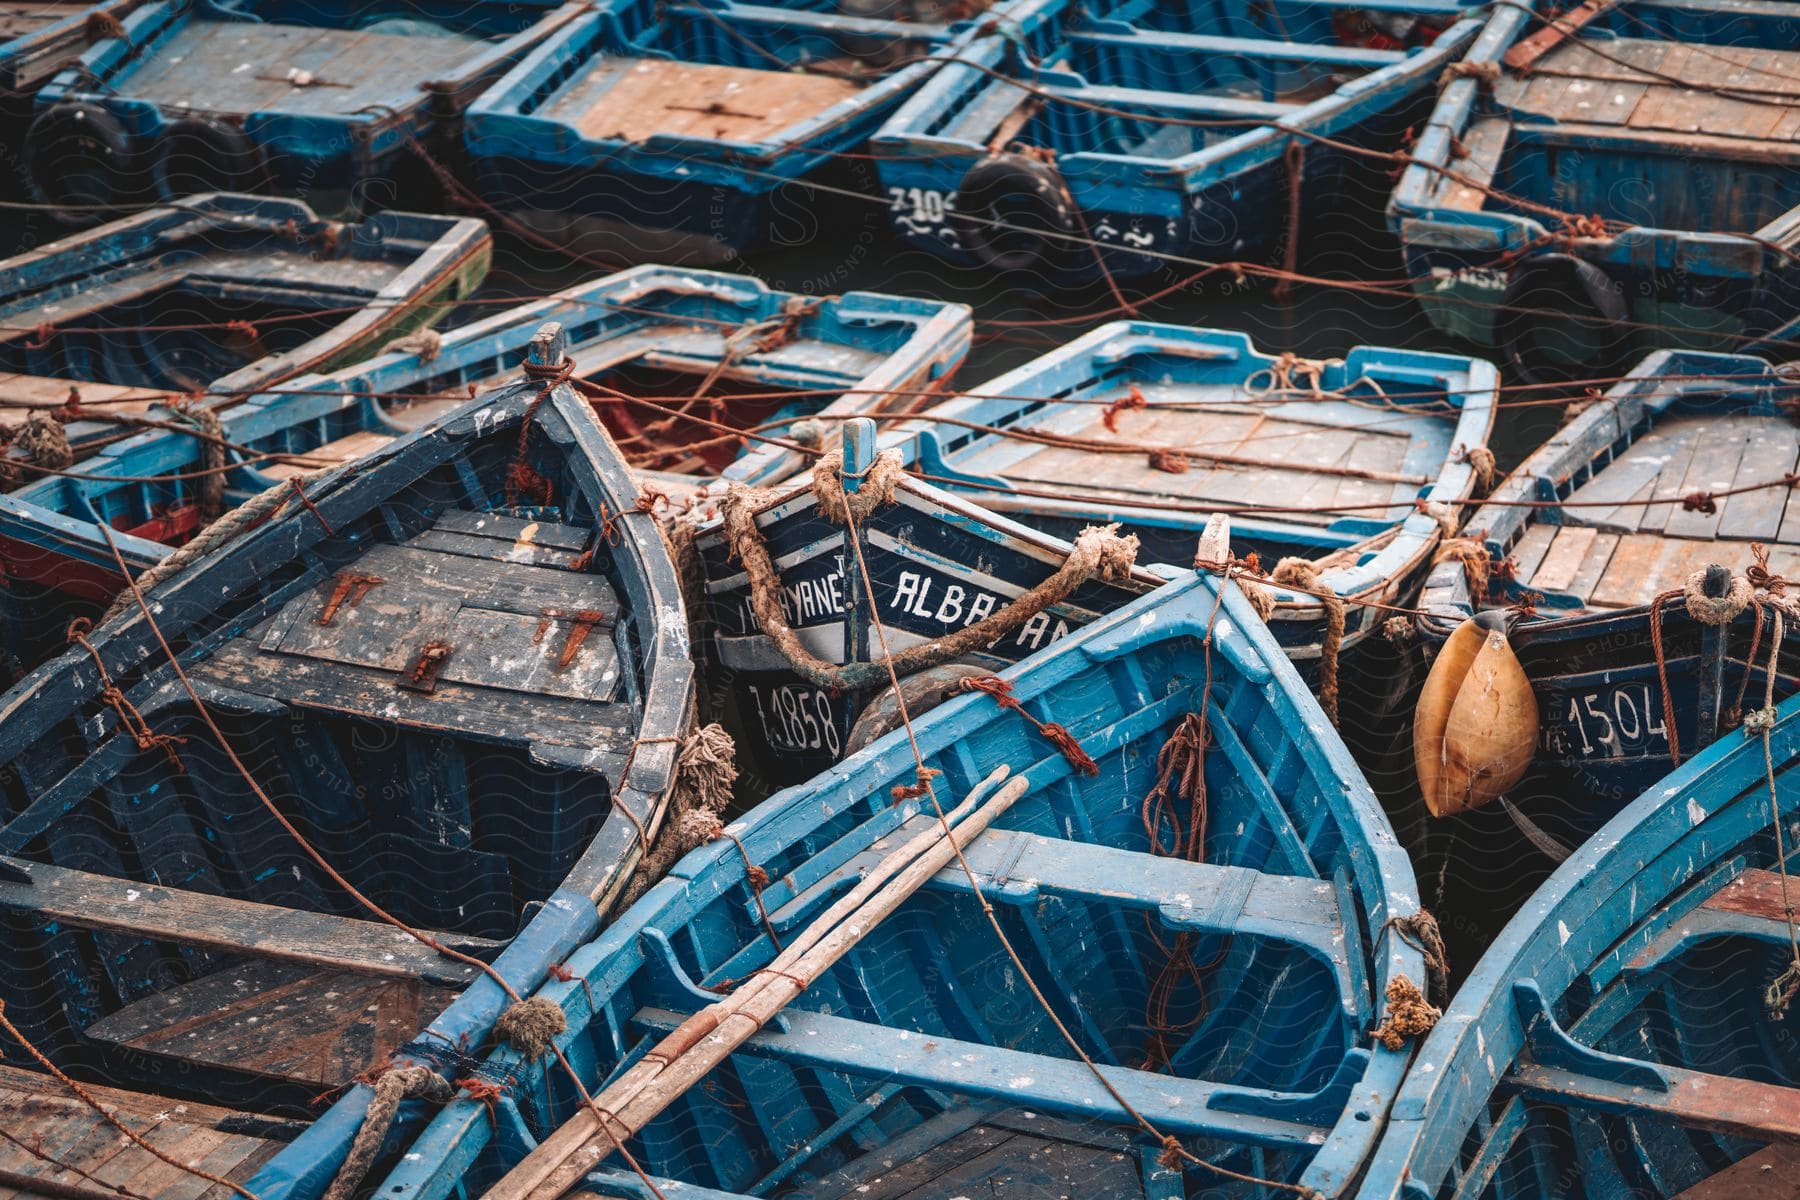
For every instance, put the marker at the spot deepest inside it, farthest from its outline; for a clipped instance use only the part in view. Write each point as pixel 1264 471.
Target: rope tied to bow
pixel 1477 564
pixel 211 485
pixel 521 479
pixel 391 1087
pixel 1303 573
pixel 1099 552
pixel 840 506
pixel 1481 461
pixel 705 774
pixel 426 344
pixel 1486 73
pixel 1397 630
pixel 130 719
pixel 1056 734
pixel 1289 372
pixel 1409 1014
pixel 1442 513
pixel 1420 931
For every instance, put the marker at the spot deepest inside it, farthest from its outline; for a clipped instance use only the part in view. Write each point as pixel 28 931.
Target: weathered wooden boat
pixel 1622 1037
pixel 796 640
pixel 1618 179
pixel 217 295
pixel 458 671
pixel 52 1134
pixel 38 38
pixel 671 130
pixel 1612 531
pixel 649 344
pixel 1341 474
pixel 1120 137
pixel 326 99
pixel 1242 958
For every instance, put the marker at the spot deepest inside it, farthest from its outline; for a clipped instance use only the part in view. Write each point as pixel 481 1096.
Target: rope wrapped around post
pixel 1303 573
pixel 1098 550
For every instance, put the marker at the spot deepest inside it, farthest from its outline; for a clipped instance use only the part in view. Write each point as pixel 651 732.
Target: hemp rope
pixel 1409 1014
pixel 1477 564
pixel 1705 609
pixel 705 770
pixel 210 488
pixel 210 538
pixel 394 1085
pixel 1303 573
pixel 1098 550
pixel 1780 993
pixel 1420 931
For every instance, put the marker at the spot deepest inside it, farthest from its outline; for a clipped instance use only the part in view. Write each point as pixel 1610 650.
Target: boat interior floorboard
pixel 1772 1173
pixel 245 66
pixel 38 1113
pixel 1612 550
pixel 1309 459
pixel 516 640
pixel 636 99
pixel 996 1153
pixel 1653 86
pixel 281 1020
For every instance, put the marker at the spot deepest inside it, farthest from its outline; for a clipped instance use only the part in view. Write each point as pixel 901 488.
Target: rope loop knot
pixel 1715 610
pixel 876 488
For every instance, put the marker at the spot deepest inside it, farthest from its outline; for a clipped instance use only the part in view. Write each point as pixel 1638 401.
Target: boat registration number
pixel 1611 723
pixel 796 718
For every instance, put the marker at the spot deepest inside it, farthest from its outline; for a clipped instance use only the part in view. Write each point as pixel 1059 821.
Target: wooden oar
pixel 707 1038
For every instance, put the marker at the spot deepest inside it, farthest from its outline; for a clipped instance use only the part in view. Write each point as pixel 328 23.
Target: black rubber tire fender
pixel 85 131
pixel 1028 195
pixel 208 151
pixel 1519 317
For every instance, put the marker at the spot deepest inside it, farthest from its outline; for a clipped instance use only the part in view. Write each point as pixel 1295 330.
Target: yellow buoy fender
pixel 1476 727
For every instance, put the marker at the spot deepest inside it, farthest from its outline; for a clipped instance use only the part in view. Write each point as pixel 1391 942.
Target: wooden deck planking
pixel 278 1020
pixel 28 16
pixel 1772 1173
pixel 331 454
pixel 1564 558
pixel 1287 454
pixel 633 100
pixel 1712 469
pixel 1769 453
pixel 1684 438
pixel 1630 83
pixel 1531 547
pixel 52 392
pixel 1645 564
pixel 1593 566
pixel 242 66
pixel 1485 140
pixel 44 1114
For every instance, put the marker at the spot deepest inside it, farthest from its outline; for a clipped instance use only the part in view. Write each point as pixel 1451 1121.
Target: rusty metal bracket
pixel 422 675
pixel 583 620
pixel 349 588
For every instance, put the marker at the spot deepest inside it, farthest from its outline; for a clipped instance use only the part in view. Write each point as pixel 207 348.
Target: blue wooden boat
pixel 1614 183
pixel 795 640
pixel 459 669
pixel 38 38
pixel 1616 1041
pixel 921 1065
pixel 216 295
pixel 643 341
pixel 672 130
pixel 1602 529
pixel 326 99
pixel 1116 138
pixel 1157 427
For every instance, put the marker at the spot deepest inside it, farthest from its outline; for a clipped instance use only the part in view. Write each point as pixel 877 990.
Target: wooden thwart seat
pixel 232 926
